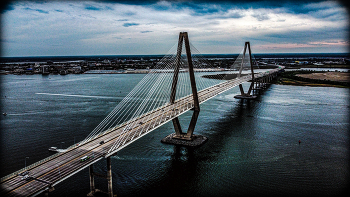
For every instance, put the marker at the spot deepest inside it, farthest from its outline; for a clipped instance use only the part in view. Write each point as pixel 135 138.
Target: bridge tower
pixel 187 139
pixel 247 95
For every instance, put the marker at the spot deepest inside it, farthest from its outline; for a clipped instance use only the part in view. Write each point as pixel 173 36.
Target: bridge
pixel 163 95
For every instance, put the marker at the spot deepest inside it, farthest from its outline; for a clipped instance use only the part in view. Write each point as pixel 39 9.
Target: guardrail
pixel 35 164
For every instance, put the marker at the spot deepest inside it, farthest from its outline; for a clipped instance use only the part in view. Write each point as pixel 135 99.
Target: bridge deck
pixel 68 163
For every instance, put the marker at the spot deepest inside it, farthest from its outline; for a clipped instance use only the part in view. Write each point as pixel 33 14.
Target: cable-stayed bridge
pixel 171 89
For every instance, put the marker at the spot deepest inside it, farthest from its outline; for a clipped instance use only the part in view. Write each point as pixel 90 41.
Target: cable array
pixel 154 89
pixel 242 62
pixel 153 92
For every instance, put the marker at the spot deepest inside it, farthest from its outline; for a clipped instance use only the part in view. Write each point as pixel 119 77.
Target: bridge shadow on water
pixel 242 157
pixel 184 173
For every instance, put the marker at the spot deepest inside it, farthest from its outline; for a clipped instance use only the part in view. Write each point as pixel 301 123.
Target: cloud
pixel 130 24
pixel 261 16
pixel 203 9
pixel 214 27
pixel 90 7
pixel 38 10
pixel 97 8
pixel 163 5
pixel 7 7
pixel 330 10
pixel 234 14
pixel 129 13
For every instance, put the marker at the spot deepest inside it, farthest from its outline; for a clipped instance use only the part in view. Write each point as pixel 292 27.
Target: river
pixel 253 147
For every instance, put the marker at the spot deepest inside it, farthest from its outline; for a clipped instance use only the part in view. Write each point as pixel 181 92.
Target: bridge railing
pixel 34 165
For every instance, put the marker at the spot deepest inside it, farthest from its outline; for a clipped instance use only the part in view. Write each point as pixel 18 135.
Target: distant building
pixel 45 69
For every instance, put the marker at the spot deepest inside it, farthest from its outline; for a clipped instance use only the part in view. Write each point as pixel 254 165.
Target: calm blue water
pixel 252 149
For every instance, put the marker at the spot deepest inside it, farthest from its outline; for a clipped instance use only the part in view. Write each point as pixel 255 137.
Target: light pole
pixel 61 144
pixel 25 162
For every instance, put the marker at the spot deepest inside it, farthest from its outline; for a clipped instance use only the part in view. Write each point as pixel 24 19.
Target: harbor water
pixel 253 147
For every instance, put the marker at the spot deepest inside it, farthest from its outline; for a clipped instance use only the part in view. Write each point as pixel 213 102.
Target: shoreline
pixel 302 78
pixel 287 81
pixel 145 71
pixel 314 79
pixel 296 77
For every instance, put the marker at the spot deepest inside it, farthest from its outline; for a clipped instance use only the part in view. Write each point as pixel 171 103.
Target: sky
pixel 73 28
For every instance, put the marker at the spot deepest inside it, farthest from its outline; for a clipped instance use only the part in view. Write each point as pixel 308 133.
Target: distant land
pixel 120 64
pixel 147 57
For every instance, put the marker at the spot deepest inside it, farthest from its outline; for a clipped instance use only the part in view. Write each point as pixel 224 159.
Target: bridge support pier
pixel 263 83
pixel 109 177
pixel 93 190
pixel 180 138
pixel 92 181
pixel 248 94
pixel 257 84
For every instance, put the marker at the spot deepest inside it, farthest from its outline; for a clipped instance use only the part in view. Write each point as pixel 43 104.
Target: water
pixel 252 149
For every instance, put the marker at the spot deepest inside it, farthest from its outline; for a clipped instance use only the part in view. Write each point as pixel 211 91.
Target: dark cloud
pixel 308 7
pixel 38 10
pixel 194 3
pixel 146 31
pixel 130 24
pixel 6 7
pixel 164 5
pixel 261 16
pixel 250 2
pixel 235 14
pixel 129 13
pixel 203 9
pixel 91 7
pixel 303 37
pixel 210 9
pixel 221 8
pixel 228 15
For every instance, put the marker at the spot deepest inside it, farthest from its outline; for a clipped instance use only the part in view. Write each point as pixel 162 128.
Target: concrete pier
pixel 97 192
pixel 109 177
pixel 248 97
pixel 196 141
pixel 92 181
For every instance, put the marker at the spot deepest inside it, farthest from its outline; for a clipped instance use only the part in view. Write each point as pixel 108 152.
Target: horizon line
pixel 166 54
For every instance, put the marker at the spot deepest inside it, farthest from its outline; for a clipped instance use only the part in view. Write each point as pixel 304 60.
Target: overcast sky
pixel 55 28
